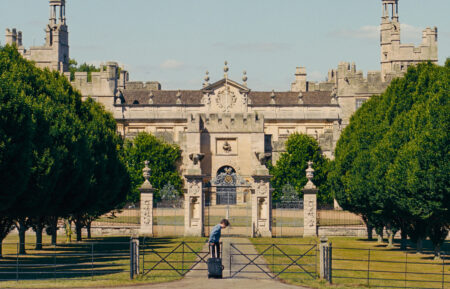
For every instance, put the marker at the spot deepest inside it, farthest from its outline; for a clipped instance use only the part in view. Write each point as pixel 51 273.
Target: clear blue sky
pixel 176 41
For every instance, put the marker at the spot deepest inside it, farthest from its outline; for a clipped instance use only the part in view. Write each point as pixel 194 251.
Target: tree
pixel 290 168
pixel 58 145
pixel 74 67
pixel 72 157
pixel 16 133
pixel 163 158
pixel 109 180
pixel 392 162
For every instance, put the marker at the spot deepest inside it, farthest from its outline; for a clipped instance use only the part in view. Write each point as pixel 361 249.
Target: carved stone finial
pixel 300 98
pixel 206 83
pixel 146 174
pixel 245 78
pixel 272 97
pixel 334 96
pixel 310 176
pixel 150 100
pixel 225 70
pixel 179 97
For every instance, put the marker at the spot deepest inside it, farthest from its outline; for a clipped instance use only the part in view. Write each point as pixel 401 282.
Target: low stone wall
pixel 356 231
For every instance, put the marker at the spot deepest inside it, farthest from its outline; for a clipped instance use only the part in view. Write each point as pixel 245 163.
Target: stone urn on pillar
pixel 262 199
pixel 310 204
pixel 194 200
pixel 146 191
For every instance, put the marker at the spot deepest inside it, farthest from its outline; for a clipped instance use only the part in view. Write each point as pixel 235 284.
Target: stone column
pixel 146 203
pixel 194 200
pixel 310 204
pixel 262 198
pixel 262 206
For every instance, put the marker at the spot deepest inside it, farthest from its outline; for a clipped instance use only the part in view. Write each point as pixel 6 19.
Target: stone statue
pixel 262 157
pixel 196 158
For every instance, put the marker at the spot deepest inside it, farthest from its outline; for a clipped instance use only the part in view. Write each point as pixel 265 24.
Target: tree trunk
pixel 54 229
pixel 404 241
pixel 390 237
pixel 437 252
pixel 419 245
pixel 78 227
pixel 88 229
pixel 22 230
pixel 379 232
pixel 6 225
pixel 39 228
pixel 369 232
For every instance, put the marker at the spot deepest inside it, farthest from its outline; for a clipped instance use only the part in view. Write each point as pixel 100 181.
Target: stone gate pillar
pixel 194 200
pixel 310 204
pixel 262 206
pixel 146 191
pixel 262 199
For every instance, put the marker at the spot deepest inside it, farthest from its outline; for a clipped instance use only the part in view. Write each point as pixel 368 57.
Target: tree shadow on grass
pixel 97 257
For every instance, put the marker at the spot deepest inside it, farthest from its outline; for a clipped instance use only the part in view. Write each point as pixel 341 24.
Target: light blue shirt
pixel 214 237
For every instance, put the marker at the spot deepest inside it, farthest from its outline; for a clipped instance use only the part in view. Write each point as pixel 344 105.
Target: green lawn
pixel 385 264
pixel 74 262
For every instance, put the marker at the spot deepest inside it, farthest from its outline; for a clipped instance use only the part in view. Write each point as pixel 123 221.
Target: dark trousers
pixel 214 248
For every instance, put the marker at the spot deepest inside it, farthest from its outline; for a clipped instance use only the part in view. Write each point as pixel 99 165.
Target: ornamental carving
pixel 226 99
pixel 261 188
pixel 229 178
pixel 147 213
pixel 195 187
pixel 311 213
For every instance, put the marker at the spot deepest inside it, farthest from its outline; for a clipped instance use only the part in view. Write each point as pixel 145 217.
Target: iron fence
pixel 121 218
pixel 93 260
pixel 327 216
pixel 378 270
pixel 287 219
pixel 168 218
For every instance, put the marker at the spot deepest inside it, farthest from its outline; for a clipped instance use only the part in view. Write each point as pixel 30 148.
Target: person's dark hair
pixel 225 222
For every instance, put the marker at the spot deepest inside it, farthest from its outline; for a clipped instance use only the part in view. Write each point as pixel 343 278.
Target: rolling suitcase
pixel 215 268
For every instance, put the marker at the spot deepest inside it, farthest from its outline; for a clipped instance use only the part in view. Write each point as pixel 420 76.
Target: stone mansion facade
pixel 225 126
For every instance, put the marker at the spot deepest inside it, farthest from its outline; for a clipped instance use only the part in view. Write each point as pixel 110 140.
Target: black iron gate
pixel 273 260
pixel 226 196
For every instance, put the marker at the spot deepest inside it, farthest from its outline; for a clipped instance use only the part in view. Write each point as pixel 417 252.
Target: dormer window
pixel 135 102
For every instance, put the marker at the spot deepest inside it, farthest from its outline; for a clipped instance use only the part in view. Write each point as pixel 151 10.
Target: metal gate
pixel 178 259
pixel 273 260
pixel 228 186
pixel 226 196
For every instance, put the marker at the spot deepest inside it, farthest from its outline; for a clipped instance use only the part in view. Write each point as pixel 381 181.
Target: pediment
pixel 226 82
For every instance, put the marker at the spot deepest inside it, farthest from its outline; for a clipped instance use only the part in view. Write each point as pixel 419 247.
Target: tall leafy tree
pixel 16 133
pixel 391 162
pixel 290 168
pixel 163 158
pixel 109 182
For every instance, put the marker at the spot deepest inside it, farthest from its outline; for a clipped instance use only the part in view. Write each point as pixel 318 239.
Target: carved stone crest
pixel 226 99
pixel 194 187
pixel 227 147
